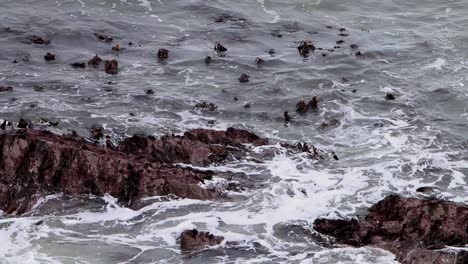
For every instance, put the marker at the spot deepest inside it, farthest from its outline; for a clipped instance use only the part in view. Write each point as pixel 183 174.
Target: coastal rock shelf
pixel 34 163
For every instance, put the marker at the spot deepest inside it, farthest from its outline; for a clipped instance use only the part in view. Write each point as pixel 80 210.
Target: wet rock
pixel 305 47
pixel 78 65
pixel 287 117
pixel 95 61
pixel 149 91
pixel 23 123
pixel 259 61
pixel 358 54
pixel 97 133
pixel 208 60
pixel 244 78
pixel 163 54
pixel 301 107
pixel 111 67
pixel 6 89
pixel 206 105
pixel 38 40
pixel 425 189
pixel 389 96
pixel 193 240
pixel 271 52
pixel 38 88
pixel 35 163
pixel 219 47
pixel 339 42
pixel 353 46
pixel 130 43
pixel 49 56
pixel 343 34
pixel 235 99
pixel 103 37
pixel 246 105
pixel 313 104
pixel 408 227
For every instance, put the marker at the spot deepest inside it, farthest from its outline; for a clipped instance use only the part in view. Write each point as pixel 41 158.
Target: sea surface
pixel 416 50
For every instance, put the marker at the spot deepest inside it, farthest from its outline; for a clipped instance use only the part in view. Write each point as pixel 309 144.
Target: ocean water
pixel 415 50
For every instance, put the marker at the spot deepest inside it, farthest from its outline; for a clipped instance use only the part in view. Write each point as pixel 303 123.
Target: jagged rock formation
pixel 35 163
pixel 410 228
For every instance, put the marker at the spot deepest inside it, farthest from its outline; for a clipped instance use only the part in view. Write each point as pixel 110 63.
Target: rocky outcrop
pixel 35 163
pixel 192 240
pixel 410 228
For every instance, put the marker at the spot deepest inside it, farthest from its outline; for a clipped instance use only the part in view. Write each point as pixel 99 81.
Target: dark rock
pixel 103 37
pixel 244 78
pixel 305 47
pixel 78 65
pixel 35 163
pixel 38 88
pixel 324 54
pixel 206 105
pixel 3 125
pixel 287 118
pixel 6 89
pixel 340 42
pixel 111 67
pixel 235 99
pixel 343 34
pixel 358 54
pixel 163 54
pixel 95 61
pixel 14 61
pixel 149 91
pixel 342 29
pixel 193 240
pixel 277 33
pixel 408 227
pixel 49 56
pixel 425 189
pixel 208 60
pixel 97 133
pixel 259 61
pixel 313 103
pixel 116 47
pixel 389 96
pixel 301 107
pixel 23 123
pixel 271 52
pixel 130 43
pixel 353 46
pixel 38 40
pixel 219 47
pixel 246 105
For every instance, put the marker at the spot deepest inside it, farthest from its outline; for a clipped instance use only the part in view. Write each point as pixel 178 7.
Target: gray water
pixel 415 50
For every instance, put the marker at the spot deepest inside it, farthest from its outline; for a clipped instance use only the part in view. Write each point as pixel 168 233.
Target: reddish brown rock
pixel 111 67
pixel 35 163
pixel 95 61
pixel 49 56
pixel 305 47
pixel 408 227
pixel 193 240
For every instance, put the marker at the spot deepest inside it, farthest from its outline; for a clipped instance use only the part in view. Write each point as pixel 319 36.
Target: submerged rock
pixel 35 163
pixel 389 96
pixel 78 65
pixel 192 240
pixel 208 60
pixel 287 117
pixel 49 56
pixel 408 227
pixel 103 37
pixel 111 67
pixel 6 89
pixel 206 105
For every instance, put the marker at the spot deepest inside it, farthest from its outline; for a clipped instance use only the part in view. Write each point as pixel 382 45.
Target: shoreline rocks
pixel 411 228
pixel 193 240
pixel 34 163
